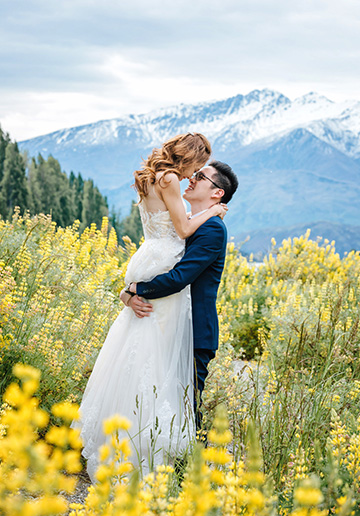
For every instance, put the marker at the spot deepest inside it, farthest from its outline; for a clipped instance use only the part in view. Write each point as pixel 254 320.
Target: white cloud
pixel 77 61
pixel 38 113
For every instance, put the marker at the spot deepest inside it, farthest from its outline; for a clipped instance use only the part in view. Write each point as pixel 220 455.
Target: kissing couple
pixel 155 354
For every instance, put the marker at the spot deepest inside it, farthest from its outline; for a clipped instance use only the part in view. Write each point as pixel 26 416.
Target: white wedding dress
pixel 144 370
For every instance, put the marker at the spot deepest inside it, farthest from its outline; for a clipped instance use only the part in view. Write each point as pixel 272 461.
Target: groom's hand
pixel 140 308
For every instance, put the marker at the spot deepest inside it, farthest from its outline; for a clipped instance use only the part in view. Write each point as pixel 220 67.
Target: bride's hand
pixel 219 209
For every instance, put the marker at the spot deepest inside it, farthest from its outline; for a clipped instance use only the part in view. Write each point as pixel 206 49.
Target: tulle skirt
pixel 144 371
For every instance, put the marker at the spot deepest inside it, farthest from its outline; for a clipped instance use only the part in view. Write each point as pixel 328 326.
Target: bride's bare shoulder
pixel 167 175
pixel 167 179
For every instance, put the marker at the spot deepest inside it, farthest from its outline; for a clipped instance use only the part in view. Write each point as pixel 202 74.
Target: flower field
pixel 287 372
pixel 58 298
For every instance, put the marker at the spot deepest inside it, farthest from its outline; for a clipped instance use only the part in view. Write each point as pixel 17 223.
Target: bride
pixel 144 370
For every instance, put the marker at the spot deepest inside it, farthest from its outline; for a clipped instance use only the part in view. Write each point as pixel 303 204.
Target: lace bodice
pixel 162 248
pixel 157 224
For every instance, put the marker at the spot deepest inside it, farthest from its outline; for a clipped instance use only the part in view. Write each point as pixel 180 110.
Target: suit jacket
pixel 201 266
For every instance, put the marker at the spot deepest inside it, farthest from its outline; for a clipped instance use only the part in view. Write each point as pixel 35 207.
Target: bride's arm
pixel 171 196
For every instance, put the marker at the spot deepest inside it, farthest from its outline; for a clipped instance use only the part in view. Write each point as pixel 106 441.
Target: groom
pixel 201 266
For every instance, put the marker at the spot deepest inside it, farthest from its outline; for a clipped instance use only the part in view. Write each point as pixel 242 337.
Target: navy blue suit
pixel 201 266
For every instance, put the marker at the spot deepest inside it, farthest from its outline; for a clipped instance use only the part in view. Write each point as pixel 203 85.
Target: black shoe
pixel 179 468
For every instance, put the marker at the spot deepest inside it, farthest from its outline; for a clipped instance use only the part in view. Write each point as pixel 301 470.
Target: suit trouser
pixel 202 358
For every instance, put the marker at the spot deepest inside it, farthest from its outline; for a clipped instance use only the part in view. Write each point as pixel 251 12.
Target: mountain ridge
pixel 303 153
pixel 259 242
pixel 259 104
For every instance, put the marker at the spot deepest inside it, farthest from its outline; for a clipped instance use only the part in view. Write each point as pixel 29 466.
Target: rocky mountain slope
pixel 298 161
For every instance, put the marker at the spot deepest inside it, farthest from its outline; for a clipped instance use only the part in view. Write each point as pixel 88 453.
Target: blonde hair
pixel 175 155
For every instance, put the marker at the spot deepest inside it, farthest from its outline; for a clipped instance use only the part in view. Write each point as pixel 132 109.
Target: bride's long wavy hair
pixel 175 155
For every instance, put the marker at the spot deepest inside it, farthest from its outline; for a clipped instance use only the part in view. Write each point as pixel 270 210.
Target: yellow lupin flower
pixel 14 396
pixel 26 372
pixel 220 438
pixel 217 456
pixel 104 452
pixel 58 436
pixel 114 423
pixel 308 495
pixel 103 473
pixel 255 499
pixel 65 410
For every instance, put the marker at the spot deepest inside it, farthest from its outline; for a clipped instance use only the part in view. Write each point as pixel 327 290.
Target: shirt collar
pixel 197 214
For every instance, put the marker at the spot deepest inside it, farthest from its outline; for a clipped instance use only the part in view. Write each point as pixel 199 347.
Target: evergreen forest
pixel 38 185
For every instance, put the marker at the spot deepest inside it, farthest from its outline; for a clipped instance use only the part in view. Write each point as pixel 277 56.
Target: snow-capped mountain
pixel 243 119
pixel 298 161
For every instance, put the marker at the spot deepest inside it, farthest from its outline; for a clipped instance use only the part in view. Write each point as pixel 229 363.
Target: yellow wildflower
pixel 114 423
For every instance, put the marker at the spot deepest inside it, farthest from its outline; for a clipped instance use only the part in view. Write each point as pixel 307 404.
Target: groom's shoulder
pixel 213 226
pixel 214 222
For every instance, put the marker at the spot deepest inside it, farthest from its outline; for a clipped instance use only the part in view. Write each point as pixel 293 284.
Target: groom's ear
pixel 218 194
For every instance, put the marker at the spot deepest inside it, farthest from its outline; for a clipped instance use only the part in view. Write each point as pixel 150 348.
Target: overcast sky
pixel 70 62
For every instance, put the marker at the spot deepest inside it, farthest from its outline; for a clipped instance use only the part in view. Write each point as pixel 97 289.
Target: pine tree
pixel 72 178
pixel 4 142
pixel 13 186
pixel 63 212
pixel 77 188
pixel 50 190
pixel 88 204
pixel 94 205
pixel 115 222
pixel 131 226
pixel 35 189
pixel 40 191
pixel 102 209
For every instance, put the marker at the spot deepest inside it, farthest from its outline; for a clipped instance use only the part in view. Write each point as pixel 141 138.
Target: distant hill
pixel 298 161
pixel 259 242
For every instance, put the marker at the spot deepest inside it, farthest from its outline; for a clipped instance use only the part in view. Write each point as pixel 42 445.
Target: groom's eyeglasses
pixel 200 175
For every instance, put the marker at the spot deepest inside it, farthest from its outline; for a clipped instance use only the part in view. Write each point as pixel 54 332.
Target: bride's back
pixel 162 247
pixel 153 202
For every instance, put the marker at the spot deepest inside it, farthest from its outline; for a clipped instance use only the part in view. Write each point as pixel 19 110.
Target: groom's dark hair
pixel 226 178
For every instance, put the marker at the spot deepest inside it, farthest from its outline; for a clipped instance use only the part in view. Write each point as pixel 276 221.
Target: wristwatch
pixel 128 291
